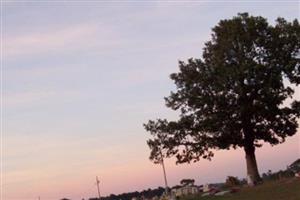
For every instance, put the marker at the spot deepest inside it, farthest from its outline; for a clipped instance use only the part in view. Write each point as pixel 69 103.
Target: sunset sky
pixel 81 77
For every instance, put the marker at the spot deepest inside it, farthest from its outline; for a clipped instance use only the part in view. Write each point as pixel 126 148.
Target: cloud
pixel 55 40
pixel 36 97
pixel 47 41
pixel 26 97
pixel 120 35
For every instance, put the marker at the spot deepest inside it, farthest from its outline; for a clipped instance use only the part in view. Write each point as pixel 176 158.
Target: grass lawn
pixel 288 189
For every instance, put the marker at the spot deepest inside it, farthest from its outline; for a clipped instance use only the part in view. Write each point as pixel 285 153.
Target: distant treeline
pixel 289 172
pixel 150 193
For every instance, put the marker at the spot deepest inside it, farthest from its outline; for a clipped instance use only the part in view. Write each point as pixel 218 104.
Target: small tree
pixel 233 97
pixel 232 181
pixel 185 182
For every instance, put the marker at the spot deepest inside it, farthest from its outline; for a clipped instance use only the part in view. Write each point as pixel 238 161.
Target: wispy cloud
pixel 55 40
pixel 47 41
pixel 26 97
pixel 36 97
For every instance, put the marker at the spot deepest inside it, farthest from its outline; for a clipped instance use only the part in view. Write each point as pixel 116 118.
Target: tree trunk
pixel 253 177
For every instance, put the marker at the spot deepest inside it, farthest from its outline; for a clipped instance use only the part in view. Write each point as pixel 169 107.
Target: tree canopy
pixel 234 96
pixel 185 182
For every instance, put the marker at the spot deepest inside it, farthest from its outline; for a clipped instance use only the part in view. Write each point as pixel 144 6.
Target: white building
pixel 185 190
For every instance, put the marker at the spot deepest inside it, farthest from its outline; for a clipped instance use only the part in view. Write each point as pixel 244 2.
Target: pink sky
pixel 139 174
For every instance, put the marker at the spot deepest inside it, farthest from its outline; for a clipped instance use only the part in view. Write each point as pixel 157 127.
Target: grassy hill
pixel 288 189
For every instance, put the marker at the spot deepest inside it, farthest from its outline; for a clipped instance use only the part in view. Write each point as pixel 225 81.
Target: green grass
pixel 288 189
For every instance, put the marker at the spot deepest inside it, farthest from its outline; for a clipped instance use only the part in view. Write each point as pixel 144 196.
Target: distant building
pixel 212 187
pixel 185 190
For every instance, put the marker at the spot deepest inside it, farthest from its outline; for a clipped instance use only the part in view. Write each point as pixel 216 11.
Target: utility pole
pixel 39 198
pixel 97 182
pixel 165 175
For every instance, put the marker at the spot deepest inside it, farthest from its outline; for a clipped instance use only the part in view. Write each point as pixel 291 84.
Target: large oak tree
pixel 234 96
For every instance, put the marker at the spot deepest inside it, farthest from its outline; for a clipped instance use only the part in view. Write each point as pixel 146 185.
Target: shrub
pixel 232 181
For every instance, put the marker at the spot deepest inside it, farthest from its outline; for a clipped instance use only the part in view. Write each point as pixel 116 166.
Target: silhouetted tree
pixel 233 97
pixel 187 182
pixel 295 166
pixel 232 181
